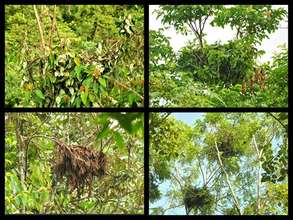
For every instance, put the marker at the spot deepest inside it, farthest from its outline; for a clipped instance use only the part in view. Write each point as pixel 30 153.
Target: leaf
pixel 125 120
pixel 84 98
pixel 78 71
pixel 104 132
pixel 52 78
pixel 119 140
pixel 40 94
pixel 51 60
pixel 77 102
pixel 103 82
pixel 58 100
pixel 71 90
pixel 88 82
pixel 95 87
pixel 77 61
pixel 99 48
pixel 127 28
pixel 8 162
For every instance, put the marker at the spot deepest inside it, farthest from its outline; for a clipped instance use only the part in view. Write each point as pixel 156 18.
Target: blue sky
pixel 188 118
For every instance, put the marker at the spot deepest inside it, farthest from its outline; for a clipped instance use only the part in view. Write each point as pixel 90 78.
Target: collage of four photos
pixel 146 109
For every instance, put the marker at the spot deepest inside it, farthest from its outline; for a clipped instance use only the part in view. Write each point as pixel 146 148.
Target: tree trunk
pixel 200 41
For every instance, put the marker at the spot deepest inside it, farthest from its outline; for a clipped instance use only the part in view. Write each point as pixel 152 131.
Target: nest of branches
pixel 78 164
pixel 227 144
pixel 197 198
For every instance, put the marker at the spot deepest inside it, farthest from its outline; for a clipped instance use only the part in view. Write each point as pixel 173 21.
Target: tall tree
pixel 223 165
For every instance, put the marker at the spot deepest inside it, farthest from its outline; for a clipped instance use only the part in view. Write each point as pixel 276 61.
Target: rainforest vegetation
pixel 218 74
pixel 74 163
pixel 222 164
pixel 74 55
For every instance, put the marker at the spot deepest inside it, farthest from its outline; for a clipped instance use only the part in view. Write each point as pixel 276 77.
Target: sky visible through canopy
pixel 213 34
pixel 189 119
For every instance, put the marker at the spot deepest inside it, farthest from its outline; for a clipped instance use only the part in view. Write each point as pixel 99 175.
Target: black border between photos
pixel 146 109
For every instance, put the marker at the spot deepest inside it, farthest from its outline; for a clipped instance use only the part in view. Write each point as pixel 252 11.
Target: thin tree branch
pixel 176 177
pixel 202 173
pixel 204 22
pixel 172 207
pixel 193 28
pixel 258 183
pixel 209 178
pixel 40 28
pixel 284 126
pixel 215 179
pixel 235 200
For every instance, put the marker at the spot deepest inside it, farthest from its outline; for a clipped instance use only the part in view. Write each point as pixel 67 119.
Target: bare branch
pixel 235 200
pixel 258 183
pixel 202 173
pixel 177 178
pixel 40 28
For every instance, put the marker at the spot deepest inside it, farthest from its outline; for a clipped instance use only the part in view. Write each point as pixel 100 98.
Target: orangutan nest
pixel 197 198
pixel 79 165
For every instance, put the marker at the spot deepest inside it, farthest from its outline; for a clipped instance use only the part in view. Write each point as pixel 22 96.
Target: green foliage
pixel 222 158
pixel 154 192
pixel 253 23
pixel 130 122
pixel 198 199
pixel 181 16
pixel 184 17
pixel 218 74
pixel 276 163
pixel 161 66
pixel 31 185
pixel 92 56
pixel 160 50
pixel 166 138
pixel 277 84
pixel 230 211
pixel 279 194
pixel 228 63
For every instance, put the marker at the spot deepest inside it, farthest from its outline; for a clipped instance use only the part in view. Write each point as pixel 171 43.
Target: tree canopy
pixel 74 163
pixel 225 164
pixel 74 56
pixel 218 74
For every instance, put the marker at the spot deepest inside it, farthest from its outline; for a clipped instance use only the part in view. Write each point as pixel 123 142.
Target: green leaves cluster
pixel 30 187
pixel 225 64
pixel 161 51
pixel 198 199
pixel 92 57
pixel 253 23
pixel 166 138
pixel 213 75
pixel 183 16
pixel 253 152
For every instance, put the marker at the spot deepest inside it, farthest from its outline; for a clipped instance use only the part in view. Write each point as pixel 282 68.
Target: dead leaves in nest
pixel 79 165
